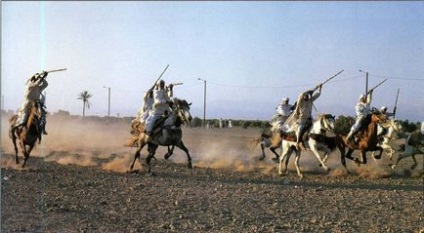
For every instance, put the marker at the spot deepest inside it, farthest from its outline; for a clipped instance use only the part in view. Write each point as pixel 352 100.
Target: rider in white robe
pixel 283 112
pixel 303 112
pixel 161 100
pixel 362 109
pixel 33 91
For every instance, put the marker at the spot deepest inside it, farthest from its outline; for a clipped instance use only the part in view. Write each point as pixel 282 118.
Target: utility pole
pixel 108 100
pixel 366 81
pixel 204 102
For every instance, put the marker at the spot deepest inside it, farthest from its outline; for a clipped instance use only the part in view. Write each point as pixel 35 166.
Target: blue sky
pixel 252 54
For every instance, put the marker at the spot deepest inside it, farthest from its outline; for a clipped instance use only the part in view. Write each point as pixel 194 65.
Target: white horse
pixel 414 145
pixel 391 126
pixel 316 141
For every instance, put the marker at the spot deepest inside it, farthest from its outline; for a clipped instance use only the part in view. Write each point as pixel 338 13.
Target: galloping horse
pixel 414 145
pixel 172 136
pixel 391 126
pixel 316 140
pixel 273 141
pixel 368 140
pixel 27 135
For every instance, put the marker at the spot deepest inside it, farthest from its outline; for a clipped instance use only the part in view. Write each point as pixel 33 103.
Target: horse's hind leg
pixel 152 150
pixel 262 156
pixel 136 155
pixel 415 162
pixel 16 148
pixel 184 148
pixel 277 156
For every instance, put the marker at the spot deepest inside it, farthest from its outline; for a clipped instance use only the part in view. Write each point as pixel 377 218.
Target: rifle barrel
pixel 332 77
pixel 51 71
pixel 372 89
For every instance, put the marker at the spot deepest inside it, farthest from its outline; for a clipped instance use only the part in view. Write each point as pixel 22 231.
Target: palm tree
pixel 84 96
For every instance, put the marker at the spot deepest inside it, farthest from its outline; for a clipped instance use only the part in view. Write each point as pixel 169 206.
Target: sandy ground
pixel 77 181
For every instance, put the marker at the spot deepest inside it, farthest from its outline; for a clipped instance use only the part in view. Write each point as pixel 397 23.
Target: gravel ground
pixel 77 182
pixel 50 197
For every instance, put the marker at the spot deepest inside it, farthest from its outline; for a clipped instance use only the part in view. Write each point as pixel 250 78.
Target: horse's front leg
pixel 285 154
pixel 379 155
pixel 184 148
pixel 318 156
pixel 299 173
pixel 170 152
pixel 363 160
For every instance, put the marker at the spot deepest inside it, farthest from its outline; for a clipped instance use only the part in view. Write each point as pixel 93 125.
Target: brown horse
pixel 273 141
pixel 368 140
pixel 169 134
pixel 27 135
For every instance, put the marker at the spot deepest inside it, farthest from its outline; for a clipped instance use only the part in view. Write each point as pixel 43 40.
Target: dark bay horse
pixel 170 134
pixel 368 139
pixel 273 141
pixel 26 135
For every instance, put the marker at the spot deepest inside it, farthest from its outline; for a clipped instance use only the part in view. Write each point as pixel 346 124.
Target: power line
pixel 399 78
pixel 279 87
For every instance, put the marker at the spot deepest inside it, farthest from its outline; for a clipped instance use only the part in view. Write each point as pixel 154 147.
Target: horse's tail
pixel 254 142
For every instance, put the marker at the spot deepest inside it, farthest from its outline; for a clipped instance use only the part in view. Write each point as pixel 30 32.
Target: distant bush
pixel 62 113
pixel 343 124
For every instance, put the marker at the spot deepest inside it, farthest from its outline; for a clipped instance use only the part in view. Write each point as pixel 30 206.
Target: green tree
pixel 343 124
pixel 85 96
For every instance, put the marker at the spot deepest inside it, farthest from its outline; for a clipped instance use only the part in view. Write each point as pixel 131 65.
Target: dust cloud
pixel 99 142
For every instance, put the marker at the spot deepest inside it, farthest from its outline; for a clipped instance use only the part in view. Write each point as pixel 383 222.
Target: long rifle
pixel 326 81
pixel 51 71
pixel 396 102
pixel 160 76
pixel 372 89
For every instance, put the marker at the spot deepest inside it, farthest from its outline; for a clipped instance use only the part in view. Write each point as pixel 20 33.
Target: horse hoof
pixel 281 174
pixel 190 166
pixel 261 158
pixel 152 174
pixel 276 160
pixel 413 167
pixel 132 171
pixel 166 156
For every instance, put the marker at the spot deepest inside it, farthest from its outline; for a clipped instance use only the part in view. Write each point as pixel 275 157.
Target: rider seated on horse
pixel 302 114
pixel 161 105
pixel 33 94
pixel 283 112
pixel 363 111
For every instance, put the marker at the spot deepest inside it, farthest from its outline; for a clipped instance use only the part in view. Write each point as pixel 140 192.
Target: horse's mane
pixel 180 102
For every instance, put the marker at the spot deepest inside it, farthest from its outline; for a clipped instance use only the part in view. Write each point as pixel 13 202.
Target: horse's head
pixel 325 122
pixel 378 117
pixel 183 110
pixel 392 124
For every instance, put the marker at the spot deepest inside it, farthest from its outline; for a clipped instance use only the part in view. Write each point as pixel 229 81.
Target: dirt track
pixel 81 185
